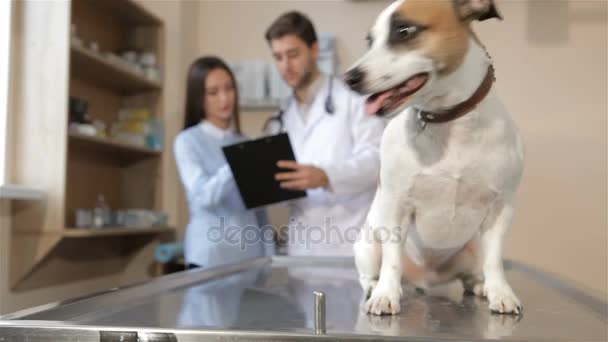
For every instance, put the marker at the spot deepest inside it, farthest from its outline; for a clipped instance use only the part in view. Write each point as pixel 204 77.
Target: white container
pixel 84 218
pixel 93 46
pixel 147 59
pixel 152 73
pixel 130 56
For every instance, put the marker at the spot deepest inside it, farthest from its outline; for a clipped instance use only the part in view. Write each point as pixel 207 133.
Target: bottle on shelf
pixel 102 215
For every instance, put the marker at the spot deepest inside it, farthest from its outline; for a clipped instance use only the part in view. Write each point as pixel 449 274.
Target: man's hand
pixel 302 177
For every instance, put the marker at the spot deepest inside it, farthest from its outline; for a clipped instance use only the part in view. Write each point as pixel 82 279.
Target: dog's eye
pixel 402 30
pixel 406 32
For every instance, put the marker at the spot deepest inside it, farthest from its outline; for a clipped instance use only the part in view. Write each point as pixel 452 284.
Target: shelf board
pixel 20 192
pixel 130 12
pixel 92 66
pixel 110 231
pixel 110 145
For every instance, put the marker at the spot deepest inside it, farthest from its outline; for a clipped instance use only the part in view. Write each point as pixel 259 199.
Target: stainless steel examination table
pixel 272 299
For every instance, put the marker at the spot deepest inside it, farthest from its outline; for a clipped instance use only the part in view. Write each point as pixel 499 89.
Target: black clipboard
pixel 254 165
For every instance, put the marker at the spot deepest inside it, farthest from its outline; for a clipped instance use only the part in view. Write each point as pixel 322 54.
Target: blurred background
pixel 91 98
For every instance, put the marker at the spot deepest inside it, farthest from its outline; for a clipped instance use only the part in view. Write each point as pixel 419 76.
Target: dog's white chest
pixel 448 208
pixel 449 181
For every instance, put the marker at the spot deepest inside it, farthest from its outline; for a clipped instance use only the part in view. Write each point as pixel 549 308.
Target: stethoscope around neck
pixel 276 121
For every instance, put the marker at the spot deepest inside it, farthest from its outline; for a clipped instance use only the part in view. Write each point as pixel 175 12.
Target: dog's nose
pixel 354 78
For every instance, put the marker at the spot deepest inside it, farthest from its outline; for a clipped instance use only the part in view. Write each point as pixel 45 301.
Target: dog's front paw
pixel 502 299
pixel 384 300
pixel 367 285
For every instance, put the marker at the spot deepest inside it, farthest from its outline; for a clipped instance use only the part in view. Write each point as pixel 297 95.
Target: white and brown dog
pixel 451 157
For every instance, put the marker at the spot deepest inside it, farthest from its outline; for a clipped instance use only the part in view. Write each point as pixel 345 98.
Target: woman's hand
pixel 302 177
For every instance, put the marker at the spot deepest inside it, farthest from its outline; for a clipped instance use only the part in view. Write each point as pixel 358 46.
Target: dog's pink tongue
pixel 372 106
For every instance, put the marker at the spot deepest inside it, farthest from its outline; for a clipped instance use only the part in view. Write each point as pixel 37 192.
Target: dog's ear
pixel 480 10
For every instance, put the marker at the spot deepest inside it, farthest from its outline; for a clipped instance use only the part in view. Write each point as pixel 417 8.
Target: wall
pixel 552 75
pixel 551 68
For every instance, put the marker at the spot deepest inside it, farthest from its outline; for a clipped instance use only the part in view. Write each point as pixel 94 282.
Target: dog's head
pixel 412 44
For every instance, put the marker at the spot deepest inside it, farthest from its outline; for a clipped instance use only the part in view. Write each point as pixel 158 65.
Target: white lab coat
pixel 346 145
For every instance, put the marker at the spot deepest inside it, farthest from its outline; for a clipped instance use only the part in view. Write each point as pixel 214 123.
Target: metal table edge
pixel 57 328
pixel 597 306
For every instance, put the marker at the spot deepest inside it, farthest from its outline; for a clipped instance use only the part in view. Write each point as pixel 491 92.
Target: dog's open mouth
pixel 385 101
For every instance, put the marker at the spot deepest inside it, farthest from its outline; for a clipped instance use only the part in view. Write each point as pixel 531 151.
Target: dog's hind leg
pixel 460 273
pixel 452 290
pixel 367 259
pixel 466 265
pixel 473 283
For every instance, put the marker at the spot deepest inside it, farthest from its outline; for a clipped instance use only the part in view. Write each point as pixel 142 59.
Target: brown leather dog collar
pixel 462 108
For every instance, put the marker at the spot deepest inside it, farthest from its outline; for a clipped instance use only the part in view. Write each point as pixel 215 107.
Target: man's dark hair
pixel 292 23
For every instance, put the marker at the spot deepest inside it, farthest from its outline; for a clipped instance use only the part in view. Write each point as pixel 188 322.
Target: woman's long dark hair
pixel 195 90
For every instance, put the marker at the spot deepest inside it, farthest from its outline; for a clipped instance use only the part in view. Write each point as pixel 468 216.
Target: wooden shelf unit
pixel 79 167
pixel 128 176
